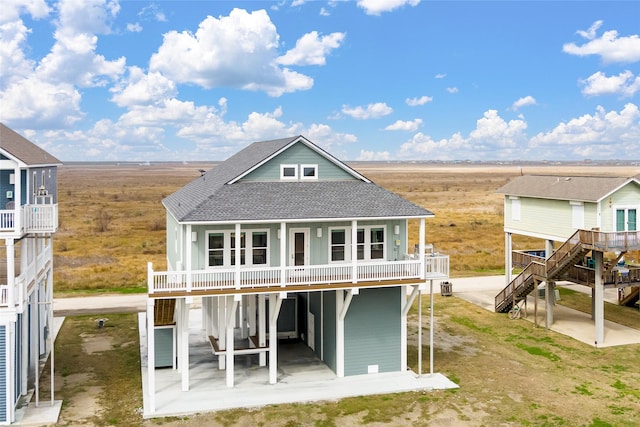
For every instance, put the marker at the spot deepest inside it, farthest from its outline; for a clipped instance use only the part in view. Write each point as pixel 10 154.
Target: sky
pixel 384 80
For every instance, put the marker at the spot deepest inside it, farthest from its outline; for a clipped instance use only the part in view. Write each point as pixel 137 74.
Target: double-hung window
pixel 221 248
pixel 370 244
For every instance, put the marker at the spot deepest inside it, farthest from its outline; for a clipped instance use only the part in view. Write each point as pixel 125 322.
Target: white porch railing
pixel 32 274
pixel 435 267
pixel 35 219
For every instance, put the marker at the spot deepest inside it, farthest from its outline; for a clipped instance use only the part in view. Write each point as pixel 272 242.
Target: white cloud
pixel 493 137
pixel 412 125
pixel 492 130
pixel 152 13
pixel 376 7
pixel 239 50
pixel 440 76
pixel 590 34
pixel 134 28
pixel 452 90
pixel 141 88
pixel 609 46
pixel 373 156
pixel 12 9
pixel 32 103
pixel 371 111
pixel 311 49
pixel 612 134
pixel 46 93
pixel 414 102
pixel 624 84
pixel 523 102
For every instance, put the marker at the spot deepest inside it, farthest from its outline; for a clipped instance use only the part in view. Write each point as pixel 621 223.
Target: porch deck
pixel 164 284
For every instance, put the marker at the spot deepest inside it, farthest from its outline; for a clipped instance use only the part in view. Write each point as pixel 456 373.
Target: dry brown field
pixel 112 221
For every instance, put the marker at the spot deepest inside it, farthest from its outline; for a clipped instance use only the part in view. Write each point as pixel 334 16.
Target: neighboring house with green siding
pixel 283 240
pixel 28 221
pixel 580 218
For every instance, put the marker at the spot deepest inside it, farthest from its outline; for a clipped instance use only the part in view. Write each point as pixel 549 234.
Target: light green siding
pixel 625 198
pixel 298 154
pixel 173 236
pixel 372 331
pixel 329 329
pixel 395 244
pixel 164 347
pixel 554 217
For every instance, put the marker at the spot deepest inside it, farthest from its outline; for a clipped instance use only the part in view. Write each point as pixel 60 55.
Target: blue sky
pixel 99 80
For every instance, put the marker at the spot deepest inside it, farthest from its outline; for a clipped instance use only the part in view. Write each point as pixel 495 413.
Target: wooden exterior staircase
pixel 561 265
pixel 164 311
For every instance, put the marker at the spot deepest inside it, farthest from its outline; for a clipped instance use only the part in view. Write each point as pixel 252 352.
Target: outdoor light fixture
pixel 318 232
pixel 396 229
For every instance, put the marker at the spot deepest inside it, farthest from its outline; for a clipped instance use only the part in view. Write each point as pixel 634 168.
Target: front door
pixel 299 246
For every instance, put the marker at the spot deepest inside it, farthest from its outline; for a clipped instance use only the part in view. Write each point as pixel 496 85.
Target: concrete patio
pixel 302 377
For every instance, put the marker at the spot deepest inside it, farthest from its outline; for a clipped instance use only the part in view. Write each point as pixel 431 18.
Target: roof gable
pixel 291 142
pixel 17 147
pixel 222 194
pixel 577 188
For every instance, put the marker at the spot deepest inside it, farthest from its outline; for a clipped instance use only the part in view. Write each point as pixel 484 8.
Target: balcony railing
pixel 436 267
pixel 24 278
pixel 33 219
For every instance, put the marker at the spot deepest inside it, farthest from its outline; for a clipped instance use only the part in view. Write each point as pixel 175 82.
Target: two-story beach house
pixel 28 220
pixel 581 219
pixel 284 241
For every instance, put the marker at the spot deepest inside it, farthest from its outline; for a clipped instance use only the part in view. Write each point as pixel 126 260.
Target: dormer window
pixel 308 171
pixel 289 172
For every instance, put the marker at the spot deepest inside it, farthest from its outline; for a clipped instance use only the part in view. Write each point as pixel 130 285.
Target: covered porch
pixel 301 376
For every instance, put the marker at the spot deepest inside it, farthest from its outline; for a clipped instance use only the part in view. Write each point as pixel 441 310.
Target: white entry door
pixel 299 246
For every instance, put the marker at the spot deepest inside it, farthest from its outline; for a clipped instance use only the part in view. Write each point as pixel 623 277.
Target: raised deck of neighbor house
pixel 567 264
pixel 38 218
pixel 165 284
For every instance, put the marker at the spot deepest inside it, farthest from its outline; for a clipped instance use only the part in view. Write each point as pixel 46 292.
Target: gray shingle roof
pixel 23 149
pixel 210 198
pixel 578 188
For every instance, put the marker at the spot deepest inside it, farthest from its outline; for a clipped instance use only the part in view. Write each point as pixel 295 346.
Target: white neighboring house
pixel 28 220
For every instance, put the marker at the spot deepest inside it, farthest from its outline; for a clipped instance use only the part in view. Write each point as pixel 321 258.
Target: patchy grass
pixel 510 373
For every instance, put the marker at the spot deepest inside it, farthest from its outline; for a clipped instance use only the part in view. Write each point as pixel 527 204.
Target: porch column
pixel 151 355
pixel 283 254
pixel 508 261
pixel 243 311
pixel 430 327
pixel 238 253
pixel 222 326
pixel 231 302
pixel 354 251
pixel 421 248
pixel 251 314
pixel 186 305
pixel 11 272
pixel 262 329
pixel 549 294
pixel 342 306
pixel 599 298
pixel 213 317
pixel 275 302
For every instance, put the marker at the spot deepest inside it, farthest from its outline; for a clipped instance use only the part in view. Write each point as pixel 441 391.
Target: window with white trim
pixel 370 243
pixel 289 172
pixel 308 172
pixel 221 248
